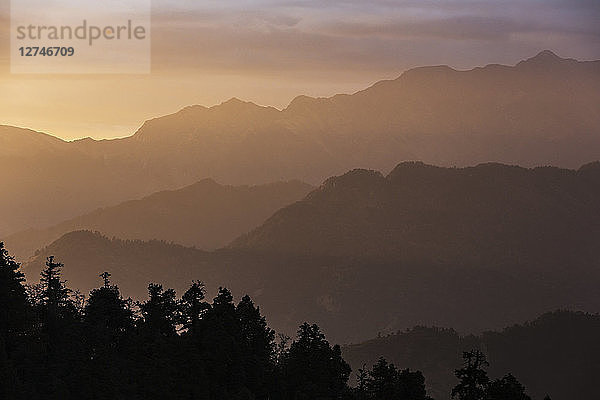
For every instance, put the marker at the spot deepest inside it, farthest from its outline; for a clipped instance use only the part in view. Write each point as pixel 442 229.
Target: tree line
pixel 56 344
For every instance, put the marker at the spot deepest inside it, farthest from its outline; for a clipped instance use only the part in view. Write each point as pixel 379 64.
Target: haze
pixel 270 51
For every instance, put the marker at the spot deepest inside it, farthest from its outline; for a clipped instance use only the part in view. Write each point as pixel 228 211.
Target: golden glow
pixel 270 52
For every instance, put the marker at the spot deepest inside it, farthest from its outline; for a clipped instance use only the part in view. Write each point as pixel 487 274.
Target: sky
pixel 269 51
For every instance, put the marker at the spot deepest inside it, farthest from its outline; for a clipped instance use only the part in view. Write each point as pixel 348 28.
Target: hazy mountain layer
pixel 206 215
pixel 352 299
pixel 541 223
pixel 556 354
pixel 473 248
pixel 541 111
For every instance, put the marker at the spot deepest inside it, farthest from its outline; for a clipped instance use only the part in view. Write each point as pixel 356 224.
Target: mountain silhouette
pixel 451 214
pixel 541 111
pixel 206 215
pixel 444 246
pixel 15 142
pixel 556 354
pixel 327 290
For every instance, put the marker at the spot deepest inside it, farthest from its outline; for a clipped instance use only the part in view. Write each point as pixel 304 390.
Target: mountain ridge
pixel 539 352
pixel 514 114
pixel 514 218
pixel 363 241
pixel 543 57
pixel 205 214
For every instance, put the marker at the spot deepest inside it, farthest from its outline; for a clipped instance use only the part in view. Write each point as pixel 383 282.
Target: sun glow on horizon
pixel 269 52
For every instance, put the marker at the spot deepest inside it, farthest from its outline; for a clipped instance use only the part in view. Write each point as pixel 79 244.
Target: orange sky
pixel 269 51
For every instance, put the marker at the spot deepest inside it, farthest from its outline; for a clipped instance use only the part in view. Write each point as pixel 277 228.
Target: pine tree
pixel 14 312
pixel 473 377
pixel 382 380
pixel 312 368
pixel 362 378
pixel 193 306
pixel 13 300
pixel 160 311
pixel 55 294
pixel 507 388
pixel 57 311
pixel 107 316
pixel 258 346
pixel 223 339
pixel 60 334
pixel 385 382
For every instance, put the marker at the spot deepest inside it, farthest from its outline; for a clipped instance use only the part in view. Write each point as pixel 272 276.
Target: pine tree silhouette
pixel 473 377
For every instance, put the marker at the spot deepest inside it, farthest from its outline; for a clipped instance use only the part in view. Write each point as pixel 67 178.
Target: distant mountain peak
pixel 413 165
pixel 301 99
pixel 86 139
pixel 14 131
pixel 78 236
pixel 547 55
pixel 356 175
pixel 302 103
pixel 425 72
pixel 545 58
pixel 354 179
pixel 234 101
pixel 589 167
pixel 191 109
pixel 234 105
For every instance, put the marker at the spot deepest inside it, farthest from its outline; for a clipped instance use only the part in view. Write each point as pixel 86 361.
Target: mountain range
pixel 541 111
pixel 516 216
pixel 539 224
pixel 205 214
pixel 474 248
pixel 556 354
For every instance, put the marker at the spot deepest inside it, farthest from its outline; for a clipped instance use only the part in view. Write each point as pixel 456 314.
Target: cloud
pixel 243 36
pixel 276 35
pixel 457 28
